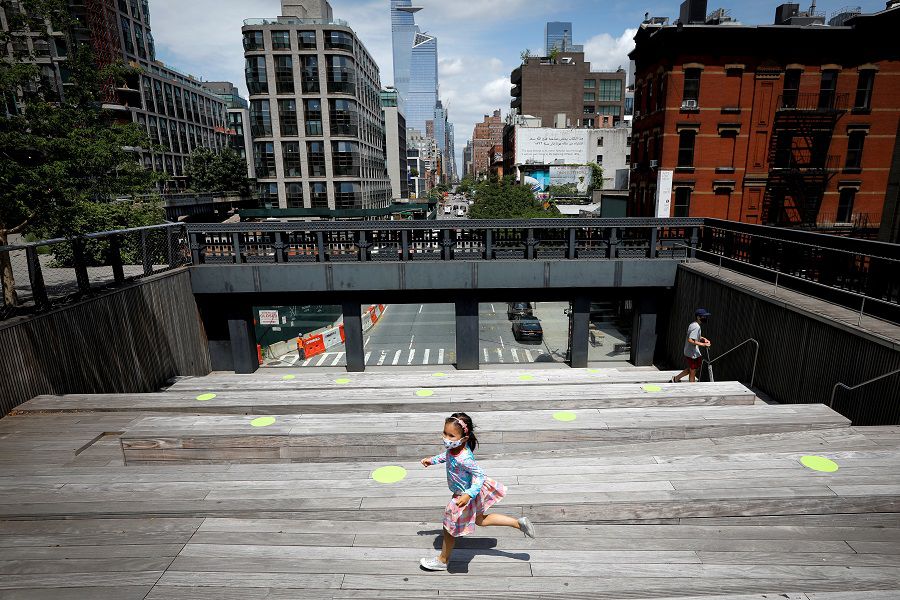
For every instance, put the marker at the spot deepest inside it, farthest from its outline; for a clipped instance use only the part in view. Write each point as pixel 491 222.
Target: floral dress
pixel 464 476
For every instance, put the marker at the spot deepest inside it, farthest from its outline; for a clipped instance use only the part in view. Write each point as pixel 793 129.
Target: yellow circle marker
pixel 439 375
pixel 342 381
pixel 289 378
pixel 819 463
pixel 263 421
pixel 652 388
pixel 205 397
pixel 425 393
pixel 596 371
pixel 565 416
pixel 389 474
pixel 526 377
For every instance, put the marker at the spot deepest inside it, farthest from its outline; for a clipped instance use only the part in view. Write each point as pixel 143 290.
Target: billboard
pixel 538 179
pixel 579 176
pixel 546 146
pixel 664 195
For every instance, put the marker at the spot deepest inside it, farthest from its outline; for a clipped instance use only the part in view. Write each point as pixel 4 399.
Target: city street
pixel 424 334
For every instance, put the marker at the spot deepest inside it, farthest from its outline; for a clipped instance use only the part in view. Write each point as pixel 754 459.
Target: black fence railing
pixel 38 275
pixel 859 274
pixel 360 241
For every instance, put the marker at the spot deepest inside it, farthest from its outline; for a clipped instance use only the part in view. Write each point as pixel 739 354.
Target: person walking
pixel 692 345
pixel 473 493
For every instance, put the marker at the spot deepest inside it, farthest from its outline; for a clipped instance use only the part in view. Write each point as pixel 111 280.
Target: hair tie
pixel 463 425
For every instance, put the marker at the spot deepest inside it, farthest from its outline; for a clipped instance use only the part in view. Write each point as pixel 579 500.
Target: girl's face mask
pixel 451 444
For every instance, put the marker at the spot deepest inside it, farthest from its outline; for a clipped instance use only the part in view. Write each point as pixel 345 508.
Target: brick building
pixel 486 136
pixel 779 124
pixel 567 92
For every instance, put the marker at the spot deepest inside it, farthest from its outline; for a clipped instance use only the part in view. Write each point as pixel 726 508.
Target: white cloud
pixel 451 66
pixel 609 53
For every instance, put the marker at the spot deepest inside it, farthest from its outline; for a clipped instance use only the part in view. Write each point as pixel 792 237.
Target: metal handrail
pixel 755 357
pixel 856 387
pixel 88 236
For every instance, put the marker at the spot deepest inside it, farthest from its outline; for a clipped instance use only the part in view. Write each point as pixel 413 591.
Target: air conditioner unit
pixel 690 105
pixel 635 166
pixel 654 164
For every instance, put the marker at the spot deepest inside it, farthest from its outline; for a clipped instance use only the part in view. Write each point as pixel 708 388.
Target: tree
pixel 224 172
pixel 525 55
pixel 506 199
pixel 466 186
pixel 554 55
pixel 62 158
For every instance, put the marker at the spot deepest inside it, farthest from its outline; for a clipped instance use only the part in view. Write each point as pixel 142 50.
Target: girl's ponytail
pixel 473 441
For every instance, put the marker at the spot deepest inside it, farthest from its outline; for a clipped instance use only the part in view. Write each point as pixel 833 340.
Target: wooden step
pixel 438 376
pixel 348 437
pixel 397 400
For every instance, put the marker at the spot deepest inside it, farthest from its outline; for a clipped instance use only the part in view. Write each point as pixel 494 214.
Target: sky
pixel 479 42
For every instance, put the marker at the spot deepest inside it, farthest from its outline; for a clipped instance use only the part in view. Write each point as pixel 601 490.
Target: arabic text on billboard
pixel 545 146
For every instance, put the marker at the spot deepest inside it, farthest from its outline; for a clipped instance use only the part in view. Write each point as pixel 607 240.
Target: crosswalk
pixel 422 356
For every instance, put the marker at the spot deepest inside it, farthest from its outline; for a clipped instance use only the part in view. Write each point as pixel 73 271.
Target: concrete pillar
pixel 242 337
pixel 580 332
pixel 353 337
pixel 467 335
pixel 643 333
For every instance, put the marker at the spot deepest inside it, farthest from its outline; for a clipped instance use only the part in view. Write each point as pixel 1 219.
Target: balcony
pixel 821 102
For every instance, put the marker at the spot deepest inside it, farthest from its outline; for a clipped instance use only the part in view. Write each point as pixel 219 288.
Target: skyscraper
pixel 558 35
pixel 415 64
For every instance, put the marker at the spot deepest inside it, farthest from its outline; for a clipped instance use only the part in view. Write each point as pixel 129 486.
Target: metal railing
pixel 856 387
pixel 361 241
pixel 38 275
pixel 741 345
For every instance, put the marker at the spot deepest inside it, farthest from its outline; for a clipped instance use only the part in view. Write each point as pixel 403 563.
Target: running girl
pixel 473 493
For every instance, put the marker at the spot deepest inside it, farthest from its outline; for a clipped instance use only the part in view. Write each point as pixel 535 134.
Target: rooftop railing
pixel 293 21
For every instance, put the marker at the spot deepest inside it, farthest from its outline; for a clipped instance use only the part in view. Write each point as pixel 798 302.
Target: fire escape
pixel 800 166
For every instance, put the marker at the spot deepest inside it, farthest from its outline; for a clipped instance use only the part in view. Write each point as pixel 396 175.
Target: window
pixel 310 74
pixel 686 143
pixel 341 75
pixel 589 123
pixel 281 40
pixel 264 157
pixel 347 195
pixel 267 192
pixel 260 118
pixel 253 40
pixel 682 202
pixel 864 90
pixel 827 89
pixel 845 206
pixel 313 110
pixel 600 142
pixel 856 141
pixel 610 110
pixel 661 95
pixel 126 33
pixel 139 41
pixel 599 159
pixel 344 118
pixel 692 85
pixel 590 97
pixel 315 157
pixel 307 40
pixel 791 92
pixel 338 40
pixel 284 75
pixel 345 157
pixel 294 195
pixel 257 79
pixel 589 110
pixel 318 193
pixel 610 90
pixel 290 151
pixel 287 117
pixel 590 84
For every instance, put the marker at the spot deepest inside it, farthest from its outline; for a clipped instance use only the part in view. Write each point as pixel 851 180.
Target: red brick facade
pixel 486 135
pixel 783 125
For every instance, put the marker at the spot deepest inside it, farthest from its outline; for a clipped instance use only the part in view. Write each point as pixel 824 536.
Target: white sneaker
pixel 432 564
pixel 527 527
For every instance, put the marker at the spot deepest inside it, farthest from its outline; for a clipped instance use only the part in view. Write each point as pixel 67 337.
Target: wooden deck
pixel 652 501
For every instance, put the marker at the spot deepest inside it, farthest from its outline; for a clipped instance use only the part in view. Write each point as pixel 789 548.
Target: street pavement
pixel 425 334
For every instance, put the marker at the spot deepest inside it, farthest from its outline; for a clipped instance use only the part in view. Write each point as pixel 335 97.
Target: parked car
pixel 528 330
pixel 518 310
pixel 460 212
pixel 447 210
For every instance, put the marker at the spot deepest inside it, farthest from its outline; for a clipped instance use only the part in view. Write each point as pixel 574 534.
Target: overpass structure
pixel 758 279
